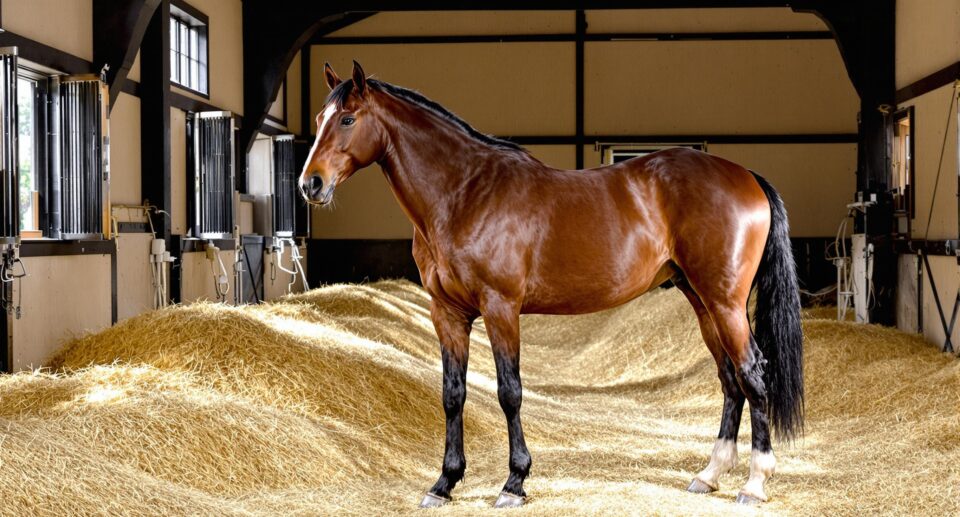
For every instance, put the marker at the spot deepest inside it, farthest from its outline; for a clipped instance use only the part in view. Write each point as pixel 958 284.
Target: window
pixel 901 164
pixel 212 152
pixel 55 153
pixel 188 48
pixel 29 144
pixel 616 153
pixel 32 137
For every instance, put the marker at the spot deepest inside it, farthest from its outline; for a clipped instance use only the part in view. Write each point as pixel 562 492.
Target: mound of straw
pixel 329 403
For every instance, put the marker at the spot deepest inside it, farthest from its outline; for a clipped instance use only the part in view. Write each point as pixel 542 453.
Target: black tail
pixel 777 323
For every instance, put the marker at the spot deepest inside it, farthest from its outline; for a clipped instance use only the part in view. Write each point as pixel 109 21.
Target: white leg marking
pixel 723 458
pixel 762 466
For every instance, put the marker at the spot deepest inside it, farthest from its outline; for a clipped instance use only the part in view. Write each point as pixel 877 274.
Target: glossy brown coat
pixel 499 233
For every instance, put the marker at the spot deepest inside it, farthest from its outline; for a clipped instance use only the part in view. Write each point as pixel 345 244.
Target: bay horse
pixel 498 233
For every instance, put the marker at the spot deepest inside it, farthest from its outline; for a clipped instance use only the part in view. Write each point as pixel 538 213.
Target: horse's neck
pixel 430 170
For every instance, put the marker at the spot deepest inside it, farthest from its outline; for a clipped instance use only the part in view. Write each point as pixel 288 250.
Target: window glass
pixel 188 51
pixel 26 119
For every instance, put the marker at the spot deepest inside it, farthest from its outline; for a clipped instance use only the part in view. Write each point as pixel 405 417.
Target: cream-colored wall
pixel 718 87
pixel 293 95
pixel 816 181
pixel 928 38
pixel 66 25
pixel 701 20
pixel 245 214
pixel 930 115
pixel 125 151
pixel 178 171
pixel 63 297
pixel 134 275
pixel 225 40
pixel 276 107
pixel 134 73
pixel 197 282
pixel 440 23
pixel 500 88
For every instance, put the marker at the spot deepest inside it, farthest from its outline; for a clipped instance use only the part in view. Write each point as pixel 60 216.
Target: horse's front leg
pixel 502 319
pixel 453 329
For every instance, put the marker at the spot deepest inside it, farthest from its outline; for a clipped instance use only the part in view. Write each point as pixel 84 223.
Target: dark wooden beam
pixel 940 78
pixel 187 103
pixel 45 55
pixel 155 102
pixel 118 30
pixel 865 31
pixel 131 87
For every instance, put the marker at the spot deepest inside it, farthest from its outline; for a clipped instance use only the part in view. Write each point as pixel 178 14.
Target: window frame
pixel 909 194
pixel 609 151
pixel 41 143
pixel 184 13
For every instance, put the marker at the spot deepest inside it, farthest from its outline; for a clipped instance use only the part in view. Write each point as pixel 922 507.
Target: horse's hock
pixel 329 402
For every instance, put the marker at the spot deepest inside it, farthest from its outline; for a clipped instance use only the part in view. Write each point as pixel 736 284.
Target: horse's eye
pixel 347 121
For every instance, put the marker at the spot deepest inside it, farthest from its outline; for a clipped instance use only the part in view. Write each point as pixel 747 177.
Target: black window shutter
pixel 284 186
pixel 80 183
pixel 10 173
pixel 212 152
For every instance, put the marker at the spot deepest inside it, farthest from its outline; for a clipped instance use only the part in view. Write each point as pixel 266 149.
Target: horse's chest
pixel 440 278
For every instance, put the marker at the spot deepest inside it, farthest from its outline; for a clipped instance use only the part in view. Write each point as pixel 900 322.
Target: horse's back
pixel 637 222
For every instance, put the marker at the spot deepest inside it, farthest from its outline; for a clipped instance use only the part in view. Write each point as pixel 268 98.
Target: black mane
pixel 342 91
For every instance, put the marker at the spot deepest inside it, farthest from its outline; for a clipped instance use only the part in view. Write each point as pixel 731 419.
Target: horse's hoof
pixel 748 499
pixel 431 500
pixel 699 487
pixel 508 500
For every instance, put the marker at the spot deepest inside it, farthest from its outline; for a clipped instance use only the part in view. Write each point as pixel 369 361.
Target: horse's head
pixel 348 137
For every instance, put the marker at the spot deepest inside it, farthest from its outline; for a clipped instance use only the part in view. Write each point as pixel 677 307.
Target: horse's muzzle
pixel 314 192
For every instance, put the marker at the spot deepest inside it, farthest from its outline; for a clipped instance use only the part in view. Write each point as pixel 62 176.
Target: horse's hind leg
pixel 724 455
pixel 453 329
pixel 737 340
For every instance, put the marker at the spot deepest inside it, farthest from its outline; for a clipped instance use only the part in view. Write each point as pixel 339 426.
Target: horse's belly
pixel 582 294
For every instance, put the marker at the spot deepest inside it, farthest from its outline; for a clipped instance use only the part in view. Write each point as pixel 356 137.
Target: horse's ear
pixel 359 78
pixel 332 79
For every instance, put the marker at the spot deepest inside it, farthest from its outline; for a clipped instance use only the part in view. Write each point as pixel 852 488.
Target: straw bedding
pixel 329 403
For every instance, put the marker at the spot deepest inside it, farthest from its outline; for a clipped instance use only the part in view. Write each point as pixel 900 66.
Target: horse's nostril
pixel 316 183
